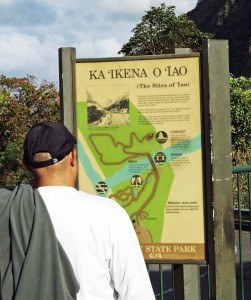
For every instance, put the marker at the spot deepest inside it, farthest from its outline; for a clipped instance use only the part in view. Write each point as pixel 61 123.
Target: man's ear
pixel 73 158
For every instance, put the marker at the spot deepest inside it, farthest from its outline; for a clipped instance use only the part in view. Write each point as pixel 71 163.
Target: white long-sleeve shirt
pixel 100 242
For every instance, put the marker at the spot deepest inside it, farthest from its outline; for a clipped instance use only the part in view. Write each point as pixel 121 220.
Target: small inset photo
pixel 136 181
pixel 108 105
pixel 160 158
pixel 161 137
pixel 101 188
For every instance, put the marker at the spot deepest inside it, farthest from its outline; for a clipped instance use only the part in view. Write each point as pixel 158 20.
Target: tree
pixel 22 103
pixel 160 29
pixel 240 97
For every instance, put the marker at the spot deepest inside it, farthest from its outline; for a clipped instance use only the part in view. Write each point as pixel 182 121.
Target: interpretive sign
pixel 139 143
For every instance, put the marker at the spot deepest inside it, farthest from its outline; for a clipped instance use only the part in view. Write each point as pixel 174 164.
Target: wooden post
pixel 67 57
pixel 186 278
pixel 218 168
pixel 192 282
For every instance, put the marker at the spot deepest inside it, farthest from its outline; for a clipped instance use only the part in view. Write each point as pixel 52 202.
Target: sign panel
pixel 139 143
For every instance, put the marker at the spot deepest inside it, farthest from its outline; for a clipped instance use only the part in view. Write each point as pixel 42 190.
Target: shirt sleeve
pixel 128 268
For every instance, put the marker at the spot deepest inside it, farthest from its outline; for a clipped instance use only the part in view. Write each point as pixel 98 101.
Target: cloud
pixel 6 2
pixel 128 6
pixel 98 48
pixel 25 13
pixel 22 54
pixel 27 54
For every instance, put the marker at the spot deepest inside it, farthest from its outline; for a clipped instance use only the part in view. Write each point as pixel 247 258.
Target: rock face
pixel 228 19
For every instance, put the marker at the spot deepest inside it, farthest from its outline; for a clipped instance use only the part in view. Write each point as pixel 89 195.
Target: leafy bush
pixel 22 103
pixel 240 97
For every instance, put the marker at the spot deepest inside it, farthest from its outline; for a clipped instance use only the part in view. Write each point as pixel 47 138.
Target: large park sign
pixel 154 135
pixel 139 143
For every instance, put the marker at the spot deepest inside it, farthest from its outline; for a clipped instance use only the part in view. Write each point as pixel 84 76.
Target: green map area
pixel 131 175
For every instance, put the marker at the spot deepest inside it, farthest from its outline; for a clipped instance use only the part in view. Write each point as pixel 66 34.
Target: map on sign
pixel 140 145
pixel 137 171
pixel 132 176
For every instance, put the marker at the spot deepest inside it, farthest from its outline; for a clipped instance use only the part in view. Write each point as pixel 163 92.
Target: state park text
pixel 171 248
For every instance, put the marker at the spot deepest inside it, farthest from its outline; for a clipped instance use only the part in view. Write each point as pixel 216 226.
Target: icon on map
pixel 101 187
pixel 136 181
pixel 160 158
pixel 161 137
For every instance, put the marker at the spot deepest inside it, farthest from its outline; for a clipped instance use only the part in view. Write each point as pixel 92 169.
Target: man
pixel 95 232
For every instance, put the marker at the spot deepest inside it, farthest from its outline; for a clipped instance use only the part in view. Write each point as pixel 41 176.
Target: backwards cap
pixel 50 137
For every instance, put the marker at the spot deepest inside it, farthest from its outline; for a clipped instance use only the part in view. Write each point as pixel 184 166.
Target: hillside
pixel 228 19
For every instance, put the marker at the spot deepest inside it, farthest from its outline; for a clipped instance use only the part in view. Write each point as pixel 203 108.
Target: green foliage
pixel 160 29
pixel 240 93
pixel 22 103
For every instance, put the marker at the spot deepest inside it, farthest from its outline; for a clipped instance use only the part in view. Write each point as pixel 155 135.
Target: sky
pixel 32 31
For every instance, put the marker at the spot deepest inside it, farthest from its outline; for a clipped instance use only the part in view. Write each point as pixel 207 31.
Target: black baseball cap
pixel 50 137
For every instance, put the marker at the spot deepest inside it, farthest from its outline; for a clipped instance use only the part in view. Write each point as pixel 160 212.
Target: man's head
pixel 49 152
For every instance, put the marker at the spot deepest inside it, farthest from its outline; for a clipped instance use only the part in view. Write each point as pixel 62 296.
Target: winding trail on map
pixel 127 195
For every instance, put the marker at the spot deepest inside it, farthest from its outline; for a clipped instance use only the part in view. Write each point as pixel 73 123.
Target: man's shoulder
pixel 81 203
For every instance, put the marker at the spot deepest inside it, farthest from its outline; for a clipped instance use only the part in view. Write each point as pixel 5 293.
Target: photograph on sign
pixel 139 144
